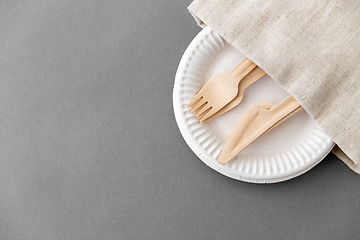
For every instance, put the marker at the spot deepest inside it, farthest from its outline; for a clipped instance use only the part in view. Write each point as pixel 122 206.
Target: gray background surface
pixel 89 146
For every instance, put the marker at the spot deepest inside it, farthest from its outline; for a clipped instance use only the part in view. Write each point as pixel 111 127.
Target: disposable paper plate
pixel 290 149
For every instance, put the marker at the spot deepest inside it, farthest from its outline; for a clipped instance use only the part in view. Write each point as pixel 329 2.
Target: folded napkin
pixel 311 48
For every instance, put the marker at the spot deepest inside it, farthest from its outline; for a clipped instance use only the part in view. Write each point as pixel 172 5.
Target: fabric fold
pixel 311 49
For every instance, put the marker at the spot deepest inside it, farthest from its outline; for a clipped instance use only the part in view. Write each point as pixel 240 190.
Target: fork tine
pixel 208 115
pixel 203 109
pixel 199 105
pixel 200 116
pixel 197 110
pixel 194 101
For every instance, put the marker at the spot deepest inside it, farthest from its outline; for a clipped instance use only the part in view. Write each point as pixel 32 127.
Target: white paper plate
pixel 292 148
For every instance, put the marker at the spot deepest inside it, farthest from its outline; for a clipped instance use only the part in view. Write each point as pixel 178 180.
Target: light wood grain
pixel 255 122
pixel 223 89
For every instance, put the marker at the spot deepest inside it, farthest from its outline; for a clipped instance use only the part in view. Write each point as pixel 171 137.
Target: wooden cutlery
pixel 224 91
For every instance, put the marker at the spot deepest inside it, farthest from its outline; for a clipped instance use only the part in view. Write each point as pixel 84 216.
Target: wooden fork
pixel 253 76
pixel 223 89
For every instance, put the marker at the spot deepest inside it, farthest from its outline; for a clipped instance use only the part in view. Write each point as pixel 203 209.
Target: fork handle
pixel 242 69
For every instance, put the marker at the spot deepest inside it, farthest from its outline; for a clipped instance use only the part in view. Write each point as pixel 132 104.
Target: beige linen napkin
pixel 311 48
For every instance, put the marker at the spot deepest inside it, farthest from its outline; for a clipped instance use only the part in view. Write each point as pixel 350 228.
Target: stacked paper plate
pixel 291 149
